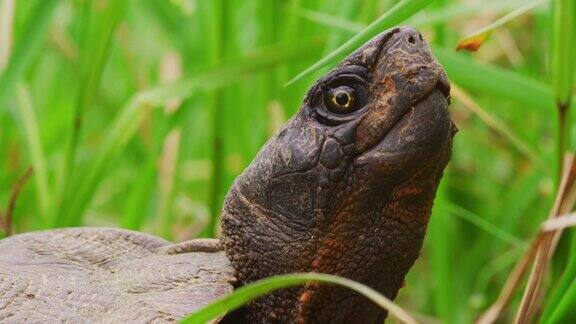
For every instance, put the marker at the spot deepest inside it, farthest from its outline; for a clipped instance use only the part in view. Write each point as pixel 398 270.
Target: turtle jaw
pixel 412 123
pixel 421 134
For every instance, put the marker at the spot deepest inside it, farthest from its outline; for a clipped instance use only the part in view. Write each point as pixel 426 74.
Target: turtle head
pixel 346 186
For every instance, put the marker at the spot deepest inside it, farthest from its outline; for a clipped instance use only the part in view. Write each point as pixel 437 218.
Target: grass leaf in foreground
pixel 401 11
pixel 243 295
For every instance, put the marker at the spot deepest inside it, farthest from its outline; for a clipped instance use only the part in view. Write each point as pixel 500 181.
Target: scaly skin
pixel 344 194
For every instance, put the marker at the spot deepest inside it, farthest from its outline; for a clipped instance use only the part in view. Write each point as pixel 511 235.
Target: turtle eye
pixel 342 99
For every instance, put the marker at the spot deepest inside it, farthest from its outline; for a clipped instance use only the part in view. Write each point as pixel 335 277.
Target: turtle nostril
pixel 409 38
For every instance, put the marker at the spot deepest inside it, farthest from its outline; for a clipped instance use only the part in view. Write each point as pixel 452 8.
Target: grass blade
pixel 99 27
pixel 140 193
pixel 559 223
pixel 14 194
pixel 166 176
pixel 500 127
pixel 133 215
pixel 439 229
pixel 402 10
pixel 484 225
pixel 217 26
pixel 564 203
pixel 27 46
pixel 541 248
pixel 329 20
pixel 6 29
pixel 565 308
pixel 452 12
pixel 243 295
pixel 495 81
pixel 473 41
pixel 561 300
pixel 562 69
pixel 432 16
pixel 563 58
pixel 511 286
pixel 35 151
pixel 563 66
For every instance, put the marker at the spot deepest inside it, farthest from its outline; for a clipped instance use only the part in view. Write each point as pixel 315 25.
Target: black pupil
pixel 342 98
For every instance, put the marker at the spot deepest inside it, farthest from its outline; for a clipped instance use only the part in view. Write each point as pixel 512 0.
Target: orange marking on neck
pixel 305 297
pixel 408 190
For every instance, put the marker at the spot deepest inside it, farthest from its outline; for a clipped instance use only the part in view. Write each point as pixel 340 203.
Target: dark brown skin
pixel 346 186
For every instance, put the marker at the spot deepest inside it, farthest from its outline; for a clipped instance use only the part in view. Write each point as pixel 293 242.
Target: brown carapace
pixel 346 186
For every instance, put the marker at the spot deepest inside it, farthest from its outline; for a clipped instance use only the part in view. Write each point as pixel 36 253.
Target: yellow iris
pixel 341 99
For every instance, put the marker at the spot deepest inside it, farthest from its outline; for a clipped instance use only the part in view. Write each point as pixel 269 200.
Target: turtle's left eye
pixel 344 99
pixel 341 100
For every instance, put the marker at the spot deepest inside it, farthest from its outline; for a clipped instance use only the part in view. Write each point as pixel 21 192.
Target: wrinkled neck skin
pixel 345 195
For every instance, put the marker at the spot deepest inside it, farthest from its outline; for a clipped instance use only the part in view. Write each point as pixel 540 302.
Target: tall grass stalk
pixel 218 29
pixel 29 122
pixel 6 30
pixel 8 217
pixel 441 262
pixel 563 69
pixel 100 23
pixel 26 48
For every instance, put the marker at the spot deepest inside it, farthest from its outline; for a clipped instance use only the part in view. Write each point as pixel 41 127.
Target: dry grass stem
pixel 563 204
pixel 541 249
pixel 14 194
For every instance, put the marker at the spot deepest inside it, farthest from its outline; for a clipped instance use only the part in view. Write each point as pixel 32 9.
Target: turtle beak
pixel 418 57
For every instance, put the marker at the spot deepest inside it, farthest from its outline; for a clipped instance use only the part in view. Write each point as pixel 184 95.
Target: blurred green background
pixel 139 114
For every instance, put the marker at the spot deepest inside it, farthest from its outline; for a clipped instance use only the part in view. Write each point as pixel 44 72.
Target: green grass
pixel 85 101
pixel 260 288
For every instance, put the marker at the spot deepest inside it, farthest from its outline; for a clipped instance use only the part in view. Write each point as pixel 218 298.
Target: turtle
pixel 345 187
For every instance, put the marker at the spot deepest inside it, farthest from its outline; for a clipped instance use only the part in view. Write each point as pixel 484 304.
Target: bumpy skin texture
pixel 99 275
pixel 345 194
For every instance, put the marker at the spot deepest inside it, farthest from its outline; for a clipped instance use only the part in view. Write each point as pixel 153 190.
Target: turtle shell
pixel 107 275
